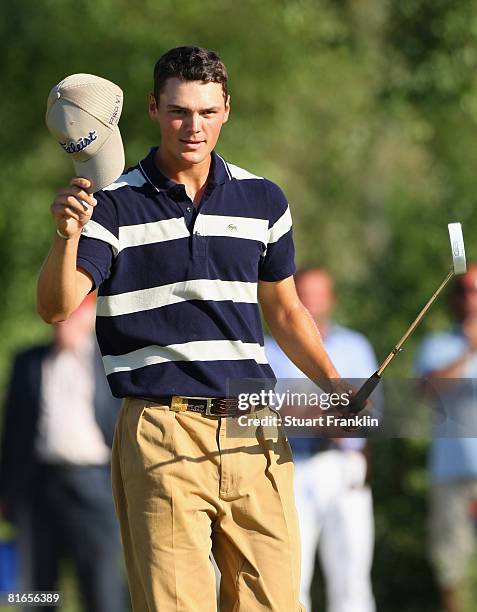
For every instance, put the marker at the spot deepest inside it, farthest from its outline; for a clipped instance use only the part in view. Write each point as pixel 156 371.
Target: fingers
pixel 87 204
pixel 71 213
pixel 73 206
pixel 82 196
pixel 72 203
pixel 81 182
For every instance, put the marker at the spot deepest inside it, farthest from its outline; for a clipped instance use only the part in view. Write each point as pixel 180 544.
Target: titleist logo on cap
pixel 80 144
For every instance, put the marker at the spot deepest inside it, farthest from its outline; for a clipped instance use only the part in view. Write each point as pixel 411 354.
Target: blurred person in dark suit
pixel 55 484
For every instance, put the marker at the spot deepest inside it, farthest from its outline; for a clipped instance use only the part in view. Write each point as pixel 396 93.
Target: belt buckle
pixel 208 408
pixel 178 404
pixel 208 405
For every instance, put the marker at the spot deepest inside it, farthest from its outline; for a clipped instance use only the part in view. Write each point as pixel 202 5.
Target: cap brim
pixel 106 165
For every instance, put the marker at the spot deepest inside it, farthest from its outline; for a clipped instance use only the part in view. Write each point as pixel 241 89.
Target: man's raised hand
pixel 72 207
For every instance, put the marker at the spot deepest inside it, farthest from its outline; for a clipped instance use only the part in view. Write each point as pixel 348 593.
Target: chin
pixel 194 157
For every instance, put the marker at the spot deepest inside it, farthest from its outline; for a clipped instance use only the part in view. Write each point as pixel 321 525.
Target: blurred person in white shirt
pixel 333 497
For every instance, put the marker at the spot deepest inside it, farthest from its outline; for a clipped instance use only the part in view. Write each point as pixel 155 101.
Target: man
pixel 179 248
pixel 333 499
pixel 448 362
pixel 55 483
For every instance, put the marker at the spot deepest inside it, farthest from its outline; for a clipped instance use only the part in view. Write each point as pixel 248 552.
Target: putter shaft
pixel 368 386
pixel 414 324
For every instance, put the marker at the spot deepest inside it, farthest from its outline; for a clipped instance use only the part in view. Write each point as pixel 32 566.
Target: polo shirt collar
pixel 219 172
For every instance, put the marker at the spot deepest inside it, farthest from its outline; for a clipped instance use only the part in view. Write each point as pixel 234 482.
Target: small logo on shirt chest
pixel 231 227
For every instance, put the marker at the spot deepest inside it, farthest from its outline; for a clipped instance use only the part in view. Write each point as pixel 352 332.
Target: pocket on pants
pixel 147 441
pixel 273 437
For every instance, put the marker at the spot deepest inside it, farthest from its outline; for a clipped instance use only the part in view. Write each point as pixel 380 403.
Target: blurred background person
pixel 333 498
pixel 55 485
pixel 452 355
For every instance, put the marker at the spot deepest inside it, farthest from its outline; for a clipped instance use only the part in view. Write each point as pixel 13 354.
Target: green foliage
pixel 364 112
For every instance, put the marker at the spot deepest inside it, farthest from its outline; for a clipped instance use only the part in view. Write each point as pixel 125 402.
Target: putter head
pixel 457 247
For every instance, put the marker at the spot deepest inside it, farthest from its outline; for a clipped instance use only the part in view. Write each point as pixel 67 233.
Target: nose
pixel 193 124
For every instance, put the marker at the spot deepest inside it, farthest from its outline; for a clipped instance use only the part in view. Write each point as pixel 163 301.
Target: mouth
pixel 192 144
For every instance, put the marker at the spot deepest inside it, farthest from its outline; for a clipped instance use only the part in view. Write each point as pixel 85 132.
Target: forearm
pixel 57 291
pixel 298 336
pixel 454 370
pixel 61 288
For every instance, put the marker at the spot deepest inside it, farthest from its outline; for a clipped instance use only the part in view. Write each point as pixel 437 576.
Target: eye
pixel 178 111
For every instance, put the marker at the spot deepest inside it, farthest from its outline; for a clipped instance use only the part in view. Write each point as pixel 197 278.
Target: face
pixel 465 297
pixel 190 115
pixel 315 291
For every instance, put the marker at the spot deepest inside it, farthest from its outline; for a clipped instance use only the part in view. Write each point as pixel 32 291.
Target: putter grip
pixel 358 401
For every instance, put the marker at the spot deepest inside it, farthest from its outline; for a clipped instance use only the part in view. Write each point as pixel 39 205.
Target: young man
pixel 183 248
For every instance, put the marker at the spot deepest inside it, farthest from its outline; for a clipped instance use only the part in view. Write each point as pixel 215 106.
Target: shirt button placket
pixel 200 244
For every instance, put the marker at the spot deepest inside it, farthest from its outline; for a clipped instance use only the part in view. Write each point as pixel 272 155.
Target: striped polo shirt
pixel 177 309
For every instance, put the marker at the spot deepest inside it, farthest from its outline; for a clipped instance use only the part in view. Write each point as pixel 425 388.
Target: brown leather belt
pixel 210 406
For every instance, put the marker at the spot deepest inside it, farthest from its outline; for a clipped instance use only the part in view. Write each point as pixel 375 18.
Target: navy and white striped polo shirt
pixel 177 309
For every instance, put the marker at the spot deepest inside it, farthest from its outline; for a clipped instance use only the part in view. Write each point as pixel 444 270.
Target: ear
pixel 152 106
pixel 227 110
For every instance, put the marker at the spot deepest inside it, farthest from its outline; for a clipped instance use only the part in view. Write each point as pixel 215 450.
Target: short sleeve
pixel 278 260
pixel 439 351
pixel 365 357
pixel 99 242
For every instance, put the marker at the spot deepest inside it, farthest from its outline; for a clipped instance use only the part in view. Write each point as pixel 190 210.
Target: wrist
pixel 61 235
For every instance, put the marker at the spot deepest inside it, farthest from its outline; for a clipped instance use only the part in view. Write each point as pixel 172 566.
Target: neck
pixel 192 176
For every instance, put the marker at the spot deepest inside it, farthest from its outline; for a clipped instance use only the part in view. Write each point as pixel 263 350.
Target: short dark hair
pixel 189 64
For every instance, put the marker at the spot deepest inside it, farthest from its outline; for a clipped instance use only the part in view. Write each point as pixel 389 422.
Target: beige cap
pixel 82 113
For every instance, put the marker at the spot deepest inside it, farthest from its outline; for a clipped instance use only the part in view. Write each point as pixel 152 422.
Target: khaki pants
pixel 183 489
pixel 452 529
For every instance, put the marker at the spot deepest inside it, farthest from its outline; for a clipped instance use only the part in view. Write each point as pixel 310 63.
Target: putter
pixel 458 267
